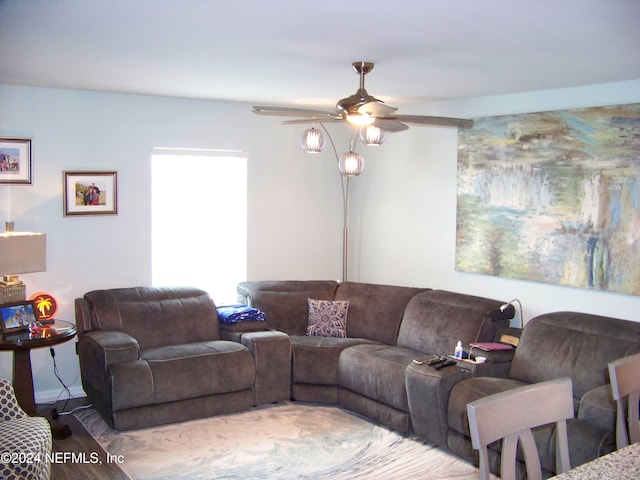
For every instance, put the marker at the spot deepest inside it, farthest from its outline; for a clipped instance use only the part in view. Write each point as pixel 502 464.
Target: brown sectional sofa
pixel 137 374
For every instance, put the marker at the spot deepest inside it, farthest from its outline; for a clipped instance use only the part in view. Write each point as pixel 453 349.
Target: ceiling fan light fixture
pixel 372 135
pixel 312 140
pixel 360 120
pixel 351 164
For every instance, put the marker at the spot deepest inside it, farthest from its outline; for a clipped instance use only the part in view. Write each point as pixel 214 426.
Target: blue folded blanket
pixel 231 314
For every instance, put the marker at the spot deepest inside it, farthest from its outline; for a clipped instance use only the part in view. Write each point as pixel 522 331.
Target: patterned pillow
pixel 327 318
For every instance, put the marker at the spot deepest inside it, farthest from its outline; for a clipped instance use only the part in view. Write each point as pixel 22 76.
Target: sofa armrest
pixel 428 394
pixel 83 318
pixel 97 350
pixel 234 332
pixel 100 348
pixel 497 364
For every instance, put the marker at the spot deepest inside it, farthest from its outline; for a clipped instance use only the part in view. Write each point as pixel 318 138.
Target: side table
pixel 21 343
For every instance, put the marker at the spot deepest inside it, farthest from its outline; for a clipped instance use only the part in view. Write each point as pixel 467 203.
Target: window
pixel 199 220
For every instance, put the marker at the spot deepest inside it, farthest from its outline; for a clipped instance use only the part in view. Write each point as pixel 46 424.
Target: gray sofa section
pixel 387 327
pixel 554 345
pixel 375 313
pixel 154 355
pixel 372 377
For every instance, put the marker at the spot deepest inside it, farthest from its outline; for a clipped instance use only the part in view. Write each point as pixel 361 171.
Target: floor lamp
pixel 350 164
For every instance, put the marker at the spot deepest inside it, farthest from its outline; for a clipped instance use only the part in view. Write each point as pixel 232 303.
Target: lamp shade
pixel 351 164
pixel 22 252
pixel 312 141
pixel 372 135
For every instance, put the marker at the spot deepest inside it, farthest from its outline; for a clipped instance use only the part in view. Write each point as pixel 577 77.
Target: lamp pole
pixel 344 184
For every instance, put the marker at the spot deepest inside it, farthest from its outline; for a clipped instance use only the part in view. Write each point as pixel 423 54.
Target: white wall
pixel 294 201
pixel 402 215
pixel 404 208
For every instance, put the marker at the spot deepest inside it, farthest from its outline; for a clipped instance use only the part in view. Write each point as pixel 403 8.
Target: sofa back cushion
pixel 375 311
pixel 155 317
pixel 436 320
pixel 572 344
pixel 284 302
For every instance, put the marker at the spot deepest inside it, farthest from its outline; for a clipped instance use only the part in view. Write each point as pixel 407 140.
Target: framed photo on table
pixel 17 316
pixel 90 193
pixel 15 161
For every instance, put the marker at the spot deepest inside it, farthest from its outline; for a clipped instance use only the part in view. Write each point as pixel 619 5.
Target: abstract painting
pixel 552 197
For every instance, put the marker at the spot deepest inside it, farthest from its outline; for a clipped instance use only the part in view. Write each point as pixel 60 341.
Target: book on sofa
pixel 490 346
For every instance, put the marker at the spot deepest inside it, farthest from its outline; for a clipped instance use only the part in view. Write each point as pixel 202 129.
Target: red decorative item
pixel 46 305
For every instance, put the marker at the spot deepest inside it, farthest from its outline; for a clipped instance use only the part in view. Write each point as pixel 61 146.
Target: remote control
pixel 437 360
pixel 445 364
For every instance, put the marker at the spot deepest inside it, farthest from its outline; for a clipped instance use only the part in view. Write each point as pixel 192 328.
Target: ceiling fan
pixel 362 109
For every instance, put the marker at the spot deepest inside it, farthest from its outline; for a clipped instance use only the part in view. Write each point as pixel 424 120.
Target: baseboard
pixel 50 396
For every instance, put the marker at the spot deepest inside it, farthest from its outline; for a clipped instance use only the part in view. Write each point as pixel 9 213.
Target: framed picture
pixel 15 161
pixel 90 193
pixel 17 316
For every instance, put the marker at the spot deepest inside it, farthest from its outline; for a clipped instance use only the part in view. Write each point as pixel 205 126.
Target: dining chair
pixel 511 415
pixel 624 374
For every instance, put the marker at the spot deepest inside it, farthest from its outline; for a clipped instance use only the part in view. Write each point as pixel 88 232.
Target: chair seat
pixel 28 441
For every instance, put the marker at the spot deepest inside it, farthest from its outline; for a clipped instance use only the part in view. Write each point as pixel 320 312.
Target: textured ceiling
pixel 298 52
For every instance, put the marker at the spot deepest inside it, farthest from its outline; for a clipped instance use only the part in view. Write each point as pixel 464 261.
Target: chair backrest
pixel 9 408
pixel 625 385
pixel 511 415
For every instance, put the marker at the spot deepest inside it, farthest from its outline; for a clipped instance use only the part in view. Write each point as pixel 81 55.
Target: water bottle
pixel 458 351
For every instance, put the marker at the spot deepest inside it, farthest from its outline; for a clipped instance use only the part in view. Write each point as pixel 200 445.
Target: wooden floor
pixel 78 456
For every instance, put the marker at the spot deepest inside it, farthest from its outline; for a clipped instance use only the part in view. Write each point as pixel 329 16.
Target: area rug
pixel 283 441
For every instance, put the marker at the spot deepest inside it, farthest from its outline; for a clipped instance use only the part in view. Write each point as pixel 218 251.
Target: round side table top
pixel 51 334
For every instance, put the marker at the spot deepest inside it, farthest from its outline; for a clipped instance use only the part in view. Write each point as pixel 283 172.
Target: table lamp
pixel 20 252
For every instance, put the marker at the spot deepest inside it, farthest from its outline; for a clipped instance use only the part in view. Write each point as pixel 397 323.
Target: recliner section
pixel 154 355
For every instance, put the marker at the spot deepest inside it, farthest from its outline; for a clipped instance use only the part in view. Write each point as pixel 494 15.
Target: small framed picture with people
pixel 90 193
pixel 15 161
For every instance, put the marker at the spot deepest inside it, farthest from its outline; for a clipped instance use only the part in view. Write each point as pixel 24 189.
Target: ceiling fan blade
pixel 293 112
pixel 312 120
pixel 390 125
pixel 436 121
pixel 377 108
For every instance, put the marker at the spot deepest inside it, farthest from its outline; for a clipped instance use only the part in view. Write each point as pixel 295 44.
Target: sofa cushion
pixel 597 406
pixel 375 311
pixel 155 317
pixel 284 303
pixel 315 359
pixel 328 318
pixel 377 372
pixel 179 372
